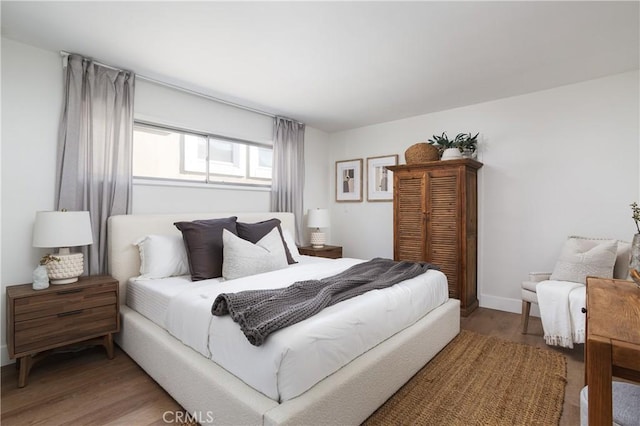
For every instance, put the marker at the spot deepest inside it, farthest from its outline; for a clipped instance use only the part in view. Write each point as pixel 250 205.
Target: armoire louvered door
pixel 411 231
pixel 442 225
pixel 435 220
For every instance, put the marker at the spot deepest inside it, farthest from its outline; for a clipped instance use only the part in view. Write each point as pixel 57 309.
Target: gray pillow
pixel 203 241
pixel 242 258
pixel 581 258
pixel 253 232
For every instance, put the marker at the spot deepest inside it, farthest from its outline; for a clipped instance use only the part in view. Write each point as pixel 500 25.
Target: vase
pixel 451 154
pixel 634 260
pixel 40 278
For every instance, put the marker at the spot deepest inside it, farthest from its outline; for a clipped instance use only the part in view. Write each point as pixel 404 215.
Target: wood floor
pixel 86 388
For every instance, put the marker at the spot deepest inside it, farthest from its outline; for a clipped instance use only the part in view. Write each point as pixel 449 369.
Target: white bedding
pixel 280 368
pixel 151 297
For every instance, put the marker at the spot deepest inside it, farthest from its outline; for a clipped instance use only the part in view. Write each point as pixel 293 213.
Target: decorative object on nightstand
pixel 329 252
pixel 40 278
pixel 39 321
pixel 41 273
pixel 318 218
pixel 63 229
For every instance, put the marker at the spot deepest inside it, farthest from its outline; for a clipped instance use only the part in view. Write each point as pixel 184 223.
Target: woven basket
pixel 421 153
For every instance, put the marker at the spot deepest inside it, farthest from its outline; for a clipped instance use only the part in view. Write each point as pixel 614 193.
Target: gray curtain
pixel 288 170
pixel 94 149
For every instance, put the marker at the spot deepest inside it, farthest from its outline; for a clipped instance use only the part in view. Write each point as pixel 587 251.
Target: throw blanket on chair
pixel 261 312
pixel 561 304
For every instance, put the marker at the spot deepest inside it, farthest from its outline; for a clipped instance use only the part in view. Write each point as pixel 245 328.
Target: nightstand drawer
pixel 64 300
pixel 68 326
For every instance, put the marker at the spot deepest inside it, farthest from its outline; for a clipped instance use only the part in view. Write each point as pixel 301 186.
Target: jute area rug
pixel 481 380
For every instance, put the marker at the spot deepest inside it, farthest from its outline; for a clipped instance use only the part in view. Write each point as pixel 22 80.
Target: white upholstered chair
pixel 529 296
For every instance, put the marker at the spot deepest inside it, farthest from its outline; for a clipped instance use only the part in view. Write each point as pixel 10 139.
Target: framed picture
pixel 379 179
pixel 349 180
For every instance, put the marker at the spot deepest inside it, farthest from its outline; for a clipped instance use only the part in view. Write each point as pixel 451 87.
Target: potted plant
pixel 447 148
pixel 463 145
pixel 469 145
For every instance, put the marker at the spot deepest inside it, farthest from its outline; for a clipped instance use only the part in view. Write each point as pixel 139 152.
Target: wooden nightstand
pixel 330 252
pixel 39 321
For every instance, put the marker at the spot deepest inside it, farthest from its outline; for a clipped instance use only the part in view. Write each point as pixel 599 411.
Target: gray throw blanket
pixel 261 312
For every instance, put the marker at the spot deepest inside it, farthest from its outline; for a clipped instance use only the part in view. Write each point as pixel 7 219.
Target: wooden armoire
pixel 435 219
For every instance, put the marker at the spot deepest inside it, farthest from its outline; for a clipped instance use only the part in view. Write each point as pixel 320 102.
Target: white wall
pixel 165 105
pixel 158 198
pixel 317 170
pixel 31 108
pixel 556 163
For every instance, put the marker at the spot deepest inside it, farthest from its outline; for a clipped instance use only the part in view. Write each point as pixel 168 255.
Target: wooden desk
pixel 612 342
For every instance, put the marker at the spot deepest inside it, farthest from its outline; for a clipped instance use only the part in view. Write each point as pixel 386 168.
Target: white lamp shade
pixel 62 229
pixel 318 218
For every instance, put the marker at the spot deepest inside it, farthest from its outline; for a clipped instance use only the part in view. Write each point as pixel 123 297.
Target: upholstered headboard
pixel 124 231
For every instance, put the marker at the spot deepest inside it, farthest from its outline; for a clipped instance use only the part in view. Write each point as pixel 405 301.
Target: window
pixel 172 154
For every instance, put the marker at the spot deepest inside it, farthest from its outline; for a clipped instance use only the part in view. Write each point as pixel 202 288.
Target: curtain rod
pixel 182 89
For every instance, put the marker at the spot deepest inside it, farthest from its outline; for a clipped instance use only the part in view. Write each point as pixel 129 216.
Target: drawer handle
pixel 66 314
pixel 75 290
pixel 583 310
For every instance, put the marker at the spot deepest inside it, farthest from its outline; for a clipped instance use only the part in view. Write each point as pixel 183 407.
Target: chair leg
pixel 526 308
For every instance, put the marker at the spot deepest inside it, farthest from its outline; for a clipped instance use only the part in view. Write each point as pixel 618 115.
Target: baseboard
pixel 4 356
pixel 506 304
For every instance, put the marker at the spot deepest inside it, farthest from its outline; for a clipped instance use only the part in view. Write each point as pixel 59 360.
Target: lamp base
pixel 317 239
pixel 67 269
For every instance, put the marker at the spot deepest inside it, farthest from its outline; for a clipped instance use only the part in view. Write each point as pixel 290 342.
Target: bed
pixel 214 395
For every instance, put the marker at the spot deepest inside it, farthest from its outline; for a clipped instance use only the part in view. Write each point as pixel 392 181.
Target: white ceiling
pixel 340 65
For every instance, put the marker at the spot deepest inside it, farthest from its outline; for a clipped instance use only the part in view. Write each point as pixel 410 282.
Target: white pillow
pixel 162 256
pixel 582 258
pixel 621 267
pixel 291 245
pixel 242 258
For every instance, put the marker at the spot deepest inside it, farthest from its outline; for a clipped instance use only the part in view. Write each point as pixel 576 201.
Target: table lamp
pixel 63 229
pixel 318 218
